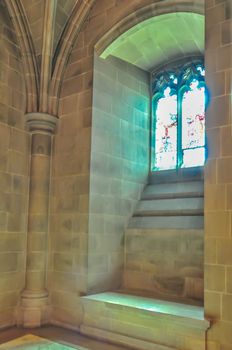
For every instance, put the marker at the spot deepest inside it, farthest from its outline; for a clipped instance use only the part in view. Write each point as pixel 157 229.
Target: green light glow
pixel 155 305
pixel 32 342
pixel 159 39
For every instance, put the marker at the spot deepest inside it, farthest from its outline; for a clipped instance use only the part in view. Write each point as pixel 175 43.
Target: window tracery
pixel 178 122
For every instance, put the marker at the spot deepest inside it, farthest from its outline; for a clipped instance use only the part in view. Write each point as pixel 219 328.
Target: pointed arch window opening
pixel 178 119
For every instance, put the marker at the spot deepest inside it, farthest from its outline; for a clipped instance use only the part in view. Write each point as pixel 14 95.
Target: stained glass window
pixel 166 131
pixel 179 118
pixel 193 125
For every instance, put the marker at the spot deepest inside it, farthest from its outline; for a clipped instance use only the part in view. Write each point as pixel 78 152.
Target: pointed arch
pixel 19 20
pixel 64 47
pixel 142 14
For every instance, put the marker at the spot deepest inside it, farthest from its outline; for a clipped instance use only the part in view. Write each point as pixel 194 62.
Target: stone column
pixel 34 308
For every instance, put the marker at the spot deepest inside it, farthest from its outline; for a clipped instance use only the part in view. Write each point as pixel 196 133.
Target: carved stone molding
pixel 41 122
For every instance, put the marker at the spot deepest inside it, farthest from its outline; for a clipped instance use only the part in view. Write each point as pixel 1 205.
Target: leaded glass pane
pixel 179 119
pixel 193 157
pixel 166 132
pixel 201 70
pixel 193 117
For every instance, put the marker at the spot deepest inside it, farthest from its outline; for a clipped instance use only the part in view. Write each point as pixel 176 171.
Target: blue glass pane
pixel 193 157
pixel 166 132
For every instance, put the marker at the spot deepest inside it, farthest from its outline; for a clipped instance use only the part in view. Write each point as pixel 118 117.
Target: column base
pixel 34 309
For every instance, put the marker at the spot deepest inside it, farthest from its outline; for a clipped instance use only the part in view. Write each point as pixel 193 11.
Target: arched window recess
pixel 178 117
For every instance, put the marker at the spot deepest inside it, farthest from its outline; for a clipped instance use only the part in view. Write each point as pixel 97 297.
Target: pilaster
pixel 34 306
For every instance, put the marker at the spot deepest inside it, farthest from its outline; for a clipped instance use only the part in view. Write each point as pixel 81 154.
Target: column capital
pixel 41 122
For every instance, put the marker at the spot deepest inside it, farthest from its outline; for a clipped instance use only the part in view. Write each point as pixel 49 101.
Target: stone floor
pixel 33 342
pixel 51 338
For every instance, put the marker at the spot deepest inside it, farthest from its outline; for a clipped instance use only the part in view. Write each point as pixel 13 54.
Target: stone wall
pixel 68 258
pixel 165 263
pixel 67 275
pixel 218 174
pixel 69 205
pixel 119 164
pixel 14 146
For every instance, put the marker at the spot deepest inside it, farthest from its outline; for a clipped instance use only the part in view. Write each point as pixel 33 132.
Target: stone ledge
pixel 167 324
pixel 177 175
pixel 120 339
pixel 177 312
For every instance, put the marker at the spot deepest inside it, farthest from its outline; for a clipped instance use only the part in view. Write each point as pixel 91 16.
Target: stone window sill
pixel 173 311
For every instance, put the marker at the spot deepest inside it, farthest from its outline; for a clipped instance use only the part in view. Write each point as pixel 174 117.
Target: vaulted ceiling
pixel 63 11
pixel 46 31
pixel 35 13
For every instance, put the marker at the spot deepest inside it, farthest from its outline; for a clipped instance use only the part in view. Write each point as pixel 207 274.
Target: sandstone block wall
pixel 119 164
pixel 68 227
pixel 218 179
pixel 69 219
pixel 165 263
pixel 69 203
pixel 14 147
